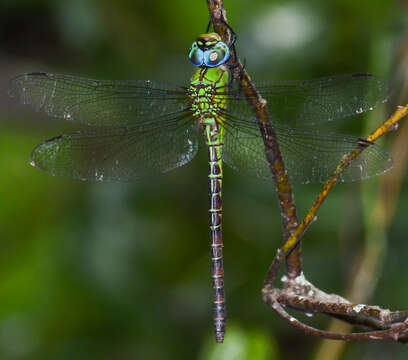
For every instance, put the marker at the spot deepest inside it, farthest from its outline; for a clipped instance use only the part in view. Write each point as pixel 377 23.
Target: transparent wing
pixel 97 102
pixel 309 156
pixel 124 153
pixel 309 102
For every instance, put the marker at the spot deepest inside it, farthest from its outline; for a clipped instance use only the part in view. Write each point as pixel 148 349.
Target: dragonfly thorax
pixel 205 93
pixel 203 103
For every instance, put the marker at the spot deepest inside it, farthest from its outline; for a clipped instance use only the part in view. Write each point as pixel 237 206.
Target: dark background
pixel 121 271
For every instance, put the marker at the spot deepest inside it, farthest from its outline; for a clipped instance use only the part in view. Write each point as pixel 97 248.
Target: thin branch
pixel 397 331
pixel 390 124
pixel 379 214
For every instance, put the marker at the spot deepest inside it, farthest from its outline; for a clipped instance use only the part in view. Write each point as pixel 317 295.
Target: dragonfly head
pixel 209 51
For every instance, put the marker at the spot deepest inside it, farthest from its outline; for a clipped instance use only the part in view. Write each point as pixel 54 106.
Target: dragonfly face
pixel 209 51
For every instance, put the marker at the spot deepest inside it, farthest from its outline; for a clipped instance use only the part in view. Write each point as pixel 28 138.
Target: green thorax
pixel 206 94
pixel 210 76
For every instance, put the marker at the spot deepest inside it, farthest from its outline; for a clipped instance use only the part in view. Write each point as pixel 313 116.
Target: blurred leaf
pixel 241 344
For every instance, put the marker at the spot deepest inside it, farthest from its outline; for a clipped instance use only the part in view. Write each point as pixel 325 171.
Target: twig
pixel 381 212
pixel 396 331
pixel 296 236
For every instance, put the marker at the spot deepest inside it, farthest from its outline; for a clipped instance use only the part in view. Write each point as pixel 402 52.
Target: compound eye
pixel 196 55
pixel 217 55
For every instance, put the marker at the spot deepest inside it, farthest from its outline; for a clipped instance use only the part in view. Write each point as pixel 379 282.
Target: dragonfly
pixel 131 130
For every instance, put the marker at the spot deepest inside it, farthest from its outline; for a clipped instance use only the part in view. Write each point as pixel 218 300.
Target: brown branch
pixel 301 295
pixel 272 151
pixel 393 326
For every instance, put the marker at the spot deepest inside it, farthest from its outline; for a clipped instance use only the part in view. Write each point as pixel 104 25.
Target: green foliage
pixel 242 344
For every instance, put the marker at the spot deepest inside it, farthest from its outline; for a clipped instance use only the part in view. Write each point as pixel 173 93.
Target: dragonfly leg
pixel 232 33
pixel 208 26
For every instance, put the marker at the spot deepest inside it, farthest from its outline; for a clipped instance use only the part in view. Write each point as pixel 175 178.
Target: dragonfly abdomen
pixel 215 217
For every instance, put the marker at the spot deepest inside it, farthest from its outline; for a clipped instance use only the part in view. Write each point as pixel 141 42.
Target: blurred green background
pixel 121 271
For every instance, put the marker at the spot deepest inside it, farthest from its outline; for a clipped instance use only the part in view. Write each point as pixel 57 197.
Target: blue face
pixel 209 55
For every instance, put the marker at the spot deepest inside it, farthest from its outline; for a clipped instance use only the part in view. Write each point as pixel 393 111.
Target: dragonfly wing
pixel 310 102
pixel 97 102
pixel 124 153
pixel 309 156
